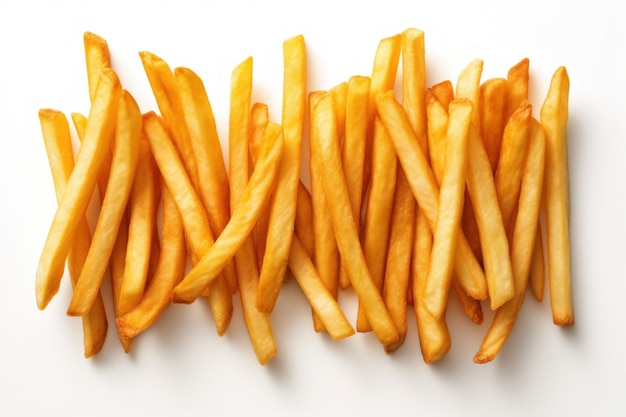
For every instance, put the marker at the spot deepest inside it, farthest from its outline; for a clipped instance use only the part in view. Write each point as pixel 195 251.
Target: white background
pixel 180 366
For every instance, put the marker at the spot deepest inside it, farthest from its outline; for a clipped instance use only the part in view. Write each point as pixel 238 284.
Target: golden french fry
pixel 468 86
pixel 553 116
pixel 522 245
pixel 303 227
pixel 79 189
pixel 444 92
pixel 241 222
pixel 283 211
pixel 517 86
pixel 537 276
pixel 169 271
pixel 492 106
pixel 97 58
pixel 344 224
pixel 58 143
pixel 340 96
pixel 493 239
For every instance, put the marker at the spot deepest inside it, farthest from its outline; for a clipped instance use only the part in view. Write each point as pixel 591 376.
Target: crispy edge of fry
pixel 116 196
pixel 97 57
pixel 58 143
pixel 241 222
pixel 79 188
pixel 344 224
pixel 283 206
pixel 517 86
pixel 553 117
pixel 492 111
pixel 522 246
pixel 493 238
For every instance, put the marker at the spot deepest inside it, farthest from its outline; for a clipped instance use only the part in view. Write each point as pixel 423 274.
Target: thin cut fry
pixel 444 92
pixel 492 106
pixel 79 189
pixel 259 118
pixel 468 86
pixel 554 114
pixel 517 86
pixel 538 268
pixel 97 58
pixel 303 227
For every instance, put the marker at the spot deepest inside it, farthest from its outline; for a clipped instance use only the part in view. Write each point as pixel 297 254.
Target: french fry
pixel 493 239
pixel 283 211
pixel 303 227
pixel 517 86
pixel 241 222
pixel 79 188
pixel 553 117
pixel 97 57
pixel 522 245
pixel 493 117
pixel 57 140
pixel 340 97
pixel 538 268
pixel 344 224
pixel 444 92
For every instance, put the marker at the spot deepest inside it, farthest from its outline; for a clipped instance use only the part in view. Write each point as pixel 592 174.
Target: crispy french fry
pixel 344 224
pixel 537 276
pixel 468 86
pixel 169 271
pixel 444 92
pixel 493 240
pixel 283 211
pixel 97 57
pixel 241 222
pixel 259 118
pixel 522 245
pixel 56 136
pixel 303 227
pixel 340 96
pixel 553 116
pixel 492 106
pixel 517 86
pixel 79 189
pixel 116 266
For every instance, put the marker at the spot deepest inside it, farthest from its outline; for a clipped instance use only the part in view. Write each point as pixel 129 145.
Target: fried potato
pixel 538 268
pixel 493 117
pixel 97 57
pixel 517 86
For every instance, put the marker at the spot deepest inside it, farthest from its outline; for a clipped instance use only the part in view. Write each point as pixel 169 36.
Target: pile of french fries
pixel 448 195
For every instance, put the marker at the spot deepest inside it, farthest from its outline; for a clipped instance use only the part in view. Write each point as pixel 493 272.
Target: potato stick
pixel 378 214
pixel 468 86
pixel 451 195
pixel 79 189
pixel 322 301
pixel 304 220
pixel 283 211
pixel 116 266
pixel 169 271
pixel 398 268
pixel 444 92
pixel 259 118
pixel 241 222
pixel 538 268
pixel 142 207
pixel 553 116
pixel 414 81
pixel 58 143
pixel 508 175
pixel 123 168
pixel 493 239
pixel 434 336
pixel 517 86
pixel 344 224
pixel 97 57
pixel 167 96
pixel 492 106
pixel 340 96
pixel 522 246
pixel 425 189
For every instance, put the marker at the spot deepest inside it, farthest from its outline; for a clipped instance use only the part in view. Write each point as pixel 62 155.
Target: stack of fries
pixel 408 202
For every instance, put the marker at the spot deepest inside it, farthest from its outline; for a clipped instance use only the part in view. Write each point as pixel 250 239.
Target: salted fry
pixel 283 211
pixel 522 245
pixel 554 114
pixel 493 117
pixel 80 187
pixel 241 222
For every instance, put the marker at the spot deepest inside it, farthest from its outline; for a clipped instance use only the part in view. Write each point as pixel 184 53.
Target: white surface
pixel 180 366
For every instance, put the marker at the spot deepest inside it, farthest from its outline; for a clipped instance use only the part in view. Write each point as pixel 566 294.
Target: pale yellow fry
pixel 522 245
pixel 379 203
pixel 58 143
pixel 426 191
pixel 97 57
pixel 492 107
pixel 468 86
pixel 322 301
pixel 241 222
pixel 451 194
pixel 142 207
pixel 517 86
pixel 508 175
pixel 283 211
pixel 537 276
pixel 493 239
pixel 169 271
pixel 344 224
pixel 554 114
pixel 79 188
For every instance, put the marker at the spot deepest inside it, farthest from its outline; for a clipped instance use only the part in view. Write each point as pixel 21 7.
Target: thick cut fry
pixel 492 106
pixel 169 271
pixel 517 86
pixel 379 209
pixel 283 211
pixel 445 235
pixel 522 245
pixel 241 222
pixel 493 240
pixel 344 224
pixel 142 207
pixel 554 114
pixel 97 57
pixel 123 168
pixel 79 189
pixel 322 301
pixel 425 190
pixel 56 136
